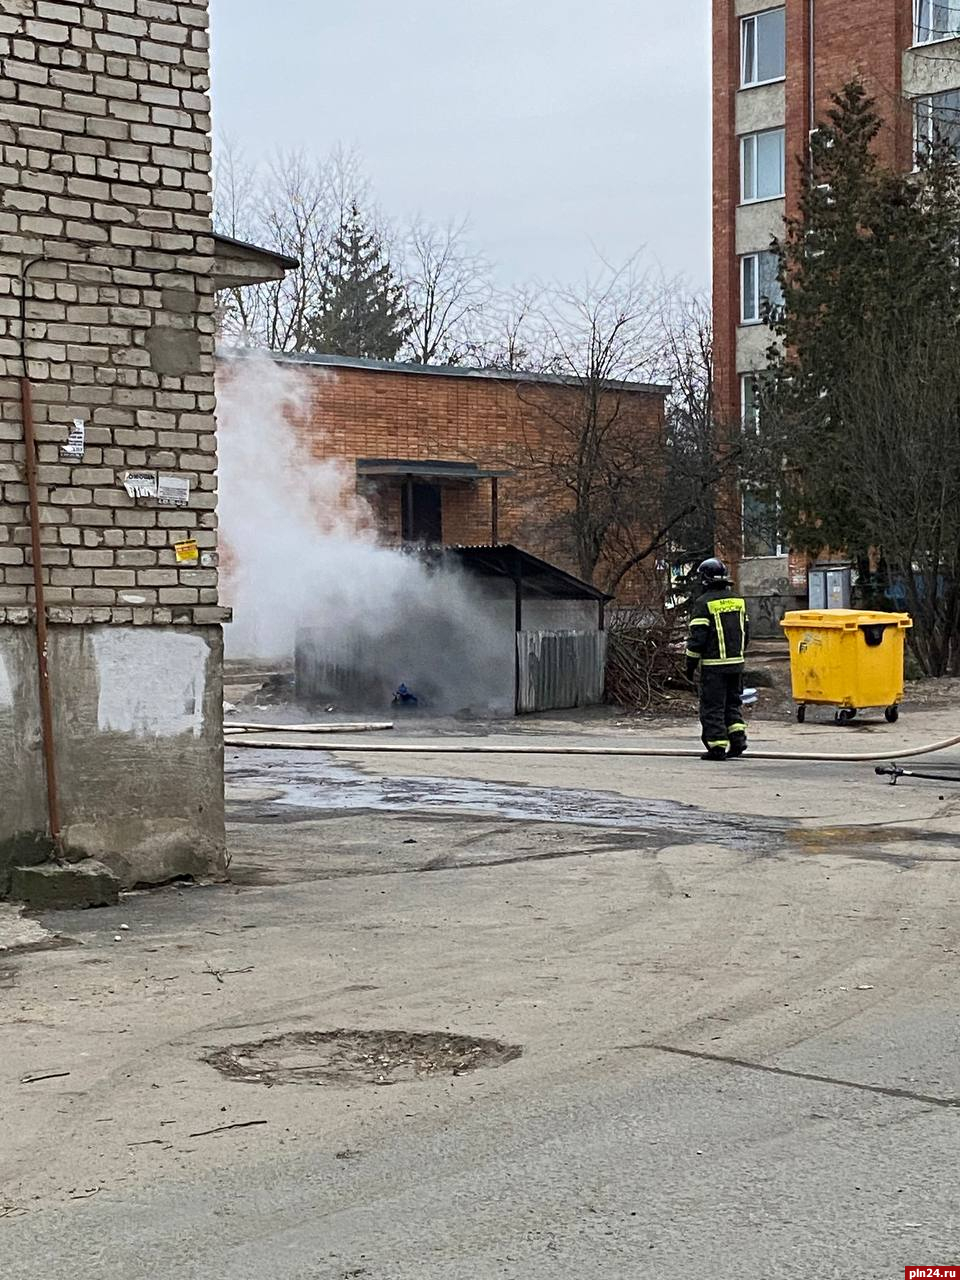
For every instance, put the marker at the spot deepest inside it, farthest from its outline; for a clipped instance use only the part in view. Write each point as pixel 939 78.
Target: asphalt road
pixel 735 991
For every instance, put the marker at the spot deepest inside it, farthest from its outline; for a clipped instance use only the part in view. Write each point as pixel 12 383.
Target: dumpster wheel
pixel 845 714
pixel 801 712
pixel 892 714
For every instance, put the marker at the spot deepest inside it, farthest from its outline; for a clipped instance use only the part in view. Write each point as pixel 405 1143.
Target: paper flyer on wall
pixel 187 552
pixel 76 440
pixel 141 484
pixel 173 491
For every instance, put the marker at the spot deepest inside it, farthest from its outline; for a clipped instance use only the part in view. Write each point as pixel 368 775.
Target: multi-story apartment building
pixel 774 69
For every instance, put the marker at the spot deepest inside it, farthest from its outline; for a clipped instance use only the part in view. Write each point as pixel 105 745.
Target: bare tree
pixel 589 438
pixel 509 333
pixel 297 206
pixel 301 207
pixel 637 487
pixel 446 286
pixel 236 214
pixel 702 497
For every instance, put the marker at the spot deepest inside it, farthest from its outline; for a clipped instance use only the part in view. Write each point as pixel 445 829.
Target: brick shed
pixel 455 456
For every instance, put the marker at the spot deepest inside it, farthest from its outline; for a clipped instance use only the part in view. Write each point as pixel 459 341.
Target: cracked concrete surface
pixel 18 930
pixel 739 1032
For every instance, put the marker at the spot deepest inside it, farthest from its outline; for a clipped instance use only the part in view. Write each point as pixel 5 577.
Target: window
pixel 762 48
pixel 762 165
pixel 750 401
pixel 761 524
pixel 751 398
pixel 760 507
pixel 936 20
pixel 938 121
pixel 760 294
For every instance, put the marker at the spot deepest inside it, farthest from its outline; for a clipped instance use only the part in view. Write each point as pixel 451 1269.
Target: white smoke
pixel 300 556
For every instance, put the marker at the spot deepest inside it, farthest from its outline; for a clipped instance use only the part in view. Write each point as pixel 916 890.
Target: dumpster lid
pixel 842 619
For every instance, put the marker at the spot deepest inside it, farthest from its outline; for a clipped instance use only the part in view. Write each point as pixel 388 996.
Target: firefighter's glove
pixel 692 664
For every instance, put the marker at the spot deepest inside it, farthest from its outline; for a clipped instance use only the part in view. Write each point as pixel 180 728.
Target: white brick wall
pixel 105 175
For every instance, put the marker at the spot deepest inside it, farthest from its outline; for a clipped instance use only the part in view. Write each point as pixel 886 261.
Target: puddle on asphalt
pixel 299 789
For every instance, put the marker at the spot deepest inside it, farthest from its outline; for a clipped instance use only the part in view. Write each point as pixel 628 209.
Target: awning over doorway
pixel 420 469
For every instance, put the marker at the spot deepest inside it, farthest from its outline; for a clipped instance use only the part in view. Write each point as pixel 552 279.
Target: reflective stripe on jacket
pixel 719 629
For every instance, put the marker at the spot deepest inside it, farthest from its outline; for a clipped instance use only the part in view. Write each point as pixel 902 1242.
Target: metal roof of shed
pixel 539 577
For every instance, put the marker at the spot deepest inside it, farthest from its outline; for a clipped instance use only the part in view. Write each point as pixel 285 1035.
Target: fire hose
pixel 498 749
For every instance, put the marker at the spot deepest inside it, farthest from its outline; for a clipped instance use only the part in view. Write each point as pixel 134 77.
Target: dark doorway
pixel 422 512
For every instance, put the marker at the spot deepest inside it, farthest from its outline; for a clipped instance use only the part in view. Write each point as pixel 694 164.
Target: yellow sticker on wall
pixel 187 552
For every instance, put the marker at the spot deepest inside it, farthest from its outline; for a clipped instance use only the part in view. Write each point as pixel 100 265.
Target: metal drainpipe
pixel 43 668
pixel 812 71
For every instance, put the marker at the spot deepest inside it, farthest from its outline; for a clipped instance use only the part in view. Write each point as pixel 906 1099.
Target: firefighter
pixel 719 632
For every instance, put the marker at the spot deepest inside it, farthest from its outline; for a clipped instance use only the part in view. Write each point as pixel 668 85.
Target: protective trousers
pixel 721 709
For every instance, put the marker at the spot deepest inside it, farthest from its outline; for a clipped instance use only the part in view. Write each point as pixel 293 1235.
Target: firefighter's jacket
pixel 719 629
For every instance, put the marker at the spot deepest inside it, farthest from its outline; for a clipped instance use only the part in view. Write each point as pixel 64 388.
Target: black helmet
pixel 712 572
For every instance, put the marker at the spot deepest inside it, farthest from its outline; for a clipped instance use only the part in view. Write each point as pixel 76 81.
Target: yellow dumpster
pixel 847 658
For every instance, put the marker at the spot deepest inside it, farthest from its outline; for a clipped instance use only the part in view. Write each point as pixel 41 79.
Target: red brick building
pixel 458 456
pixel 774 69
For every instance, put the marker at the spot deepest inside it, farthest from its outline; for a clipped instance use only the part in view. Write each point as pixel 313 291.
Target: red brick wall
pixel 864 38
pixel 373 413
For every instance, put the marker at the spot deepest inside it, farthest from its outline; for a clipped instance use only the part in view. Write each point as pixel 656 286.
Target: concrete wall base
pixel 144 851
pixel 22 849
pixel 138 732
pixel 55 888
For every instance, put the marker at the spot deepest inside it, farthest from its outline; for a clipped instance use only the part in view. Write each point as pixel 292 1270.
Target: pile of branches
pixel 645 659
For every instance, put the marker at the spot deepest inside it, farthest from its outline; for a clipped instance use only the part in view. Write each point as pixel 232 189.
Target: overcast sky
pixel 555 124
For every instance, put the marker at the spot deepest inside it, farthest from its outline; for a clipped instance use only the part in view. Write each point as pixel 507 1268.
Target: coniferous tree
pixel 363 311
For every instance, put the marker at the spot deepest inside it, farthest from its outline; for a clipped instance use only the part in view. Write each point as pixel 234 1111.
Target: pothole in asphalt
pixel 358 1057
